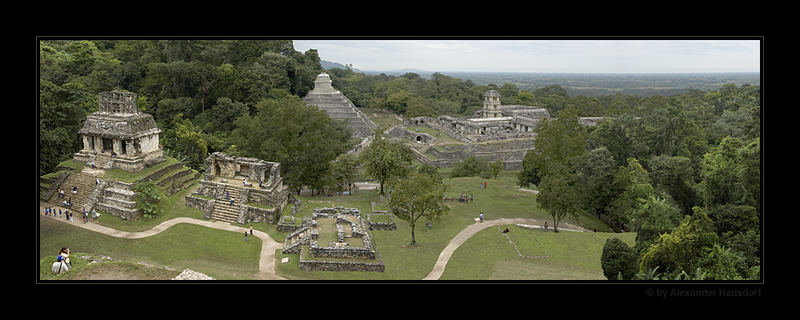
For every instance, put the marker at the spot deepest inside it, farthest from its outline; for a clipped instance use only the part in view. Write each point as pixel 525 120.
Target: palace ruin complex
pixel 495 133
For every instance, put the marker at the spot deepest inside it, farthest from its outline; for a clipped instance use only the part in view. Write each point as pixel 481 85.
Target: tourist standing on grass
pixel 481 216
pixel 245 236
pixel 429 225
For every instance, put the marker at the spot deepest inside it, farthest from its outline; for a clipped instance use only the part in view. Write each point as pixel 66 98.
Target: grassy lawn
pixel 225 255
pixel 105 270
pixel 501 199
pixel 219 254
pixel 489 256
pixel 381 118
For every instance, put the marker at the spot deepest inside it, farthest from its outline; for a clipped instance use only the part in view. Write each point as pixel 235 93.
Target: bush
pixel 617 259
pixel 148 198
pixel 471 167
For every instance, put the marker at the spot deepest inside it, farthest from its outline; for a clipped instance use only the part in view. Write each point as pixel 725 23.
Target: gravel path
pixel 266 265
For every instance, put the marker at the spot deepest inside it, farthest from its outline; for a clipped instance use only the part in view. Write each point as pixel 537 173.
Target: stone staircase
pixel 339 107
pixel 85 183
pixel 101 160
pixel 223 210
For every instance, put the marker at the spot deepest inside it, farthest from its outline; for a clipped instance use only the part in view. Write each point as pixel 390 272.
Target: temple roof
pixel 119 118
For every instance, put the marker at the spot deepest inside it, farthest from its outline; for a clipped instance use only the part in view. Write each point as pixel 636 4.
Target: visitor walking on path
pixel 251 230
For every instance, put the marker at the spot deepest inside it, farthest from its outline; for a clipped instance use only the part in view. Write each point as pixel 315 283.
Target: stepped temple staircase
pixel 223 210
pixel 85 183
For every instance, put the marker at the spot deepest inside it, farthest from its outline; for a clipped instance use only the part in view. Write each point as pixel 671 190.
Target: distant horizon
pixel 544 56
pixel 413 70
pixel 582 73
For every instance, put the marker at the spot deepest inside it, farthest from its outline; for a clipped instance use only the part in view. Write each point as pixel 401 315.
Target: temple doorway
pixel 108 144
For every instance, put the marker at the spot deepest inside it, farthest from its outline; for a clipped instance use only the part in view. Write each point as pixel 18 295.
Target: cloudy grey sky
pixel 545 56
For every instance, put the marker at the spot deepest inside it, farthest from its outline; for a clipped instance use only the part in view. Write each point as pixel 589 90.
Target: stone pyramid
pixel 338 107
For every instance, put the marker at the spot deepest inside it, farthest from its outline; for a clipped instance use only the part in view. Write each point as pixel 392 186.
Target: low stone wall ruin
pixel 205 205
pixel 256 214
pixel 363 258
pixel 314 265
pixel 374 225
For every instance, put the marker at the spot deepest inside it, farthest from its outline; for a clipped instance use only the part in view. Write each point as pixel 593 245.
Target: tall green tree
pixel 225 112
pixel 187 141
pixel 416 196
pixel 556 141
pixel 636 188
pixel 596 178
pixel 559 193
pixel 722 174
pixel 385 159
pixel 676 176
pixel 345 170
pixel 302 138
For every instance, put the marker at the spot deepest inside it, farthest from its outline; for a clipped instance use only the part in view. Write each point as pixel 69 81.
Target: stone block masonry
pixel 119 127
pixel 352 250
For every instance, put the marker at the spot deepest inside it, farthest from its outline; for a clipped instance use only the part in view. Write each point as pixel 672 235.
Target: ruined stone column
pixel 117 147
pixel 86 146
pixel 98 144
